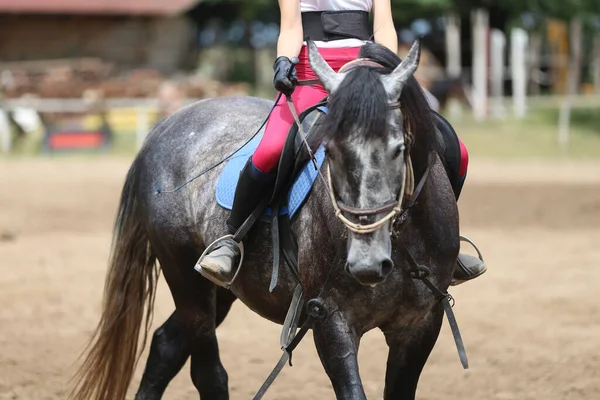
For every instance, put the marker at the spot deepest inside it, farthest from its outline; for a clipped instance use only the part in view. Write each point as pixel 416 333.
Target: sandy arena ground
pixel 531 324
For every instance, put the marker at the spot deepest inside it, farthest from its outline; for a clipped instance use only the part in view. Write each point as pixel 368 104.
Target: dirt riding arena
pixel 531 324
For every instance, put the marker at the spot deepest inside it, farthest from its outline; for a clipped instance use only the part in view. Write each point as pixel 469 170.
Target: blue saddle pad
pixel 228 179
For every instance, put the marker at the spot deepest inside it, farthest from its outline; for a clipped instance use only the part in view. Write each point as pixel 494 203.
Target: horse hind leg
pixel 207 372
pixel 170 351
pixel 409 348
pixel 199 307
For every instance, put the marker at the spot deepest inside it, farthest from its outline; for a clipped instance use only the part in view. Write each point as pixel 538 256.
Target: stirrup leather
pixel 211 247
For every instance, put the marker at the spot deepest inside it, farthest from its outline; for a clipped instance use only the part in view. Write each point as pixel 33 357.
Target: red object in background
pixel 76 140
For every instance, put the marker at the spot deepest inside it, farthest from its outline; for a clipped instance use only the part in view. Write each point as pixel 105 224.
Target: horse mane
pixel 361 101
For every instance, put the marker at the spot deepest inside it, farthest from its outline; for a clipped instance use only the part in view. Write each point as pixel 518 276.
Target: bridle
pixel 392 208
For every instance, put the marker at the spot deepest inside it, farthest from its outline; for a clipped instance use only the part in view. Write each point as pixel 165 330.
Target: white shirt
pixel 337 5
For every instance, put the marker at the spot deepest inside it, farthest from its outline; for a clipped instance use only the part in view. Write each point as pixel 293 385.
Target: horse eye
pixel 399 150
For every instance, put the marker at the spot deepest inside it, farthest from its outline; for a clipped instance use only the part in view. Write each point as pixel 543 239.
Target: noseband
pixel 393 208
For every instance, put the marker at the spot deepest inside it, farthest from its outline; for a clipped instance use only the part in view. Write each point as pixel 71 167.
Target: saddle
pixel 296 174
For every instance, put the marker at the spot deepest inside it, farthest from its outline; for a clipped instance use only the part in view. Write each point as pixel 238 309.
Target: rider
pixel 339 29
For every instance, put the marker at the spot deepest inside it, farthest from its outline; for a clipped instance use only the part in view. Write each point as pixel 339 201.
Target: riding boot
pixel 220 265
pixel 468 267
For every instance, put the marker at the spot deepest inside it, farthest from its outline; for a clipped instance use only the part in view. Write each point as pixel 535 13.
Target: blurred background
pixel 115 67
pixel 83 81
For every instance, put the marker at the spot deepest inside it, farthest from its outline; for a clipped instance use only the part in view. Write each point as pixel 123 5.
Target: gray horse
pixel 374 146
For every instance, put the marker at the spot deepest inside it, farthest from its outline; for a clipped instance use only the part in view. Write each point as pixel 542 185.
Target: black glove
pixel 285 79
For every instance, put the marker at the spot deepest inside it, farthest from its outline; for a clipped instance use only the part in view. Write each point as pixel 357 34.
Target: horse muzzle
pixel 371 269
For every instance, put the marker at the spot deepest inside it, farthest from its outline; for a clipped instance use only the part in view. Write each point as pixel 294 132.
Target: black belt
pixel 336 25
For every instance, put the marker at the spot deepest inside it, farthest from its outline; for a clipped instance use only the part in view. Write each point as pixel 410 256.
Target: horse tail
pixel 112 353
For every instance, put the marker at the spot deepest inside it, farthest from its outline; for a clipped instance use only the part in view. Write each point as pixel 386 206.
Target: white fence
pixel 489 70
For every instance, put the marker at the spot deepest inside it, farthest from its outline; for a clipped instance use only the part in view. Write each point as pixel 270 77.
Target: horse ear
pixel 394 82
pixel 328 77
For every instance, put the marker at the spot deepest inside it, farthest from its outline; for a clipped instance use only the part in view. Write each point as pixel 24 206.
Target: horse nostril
pixel 386 267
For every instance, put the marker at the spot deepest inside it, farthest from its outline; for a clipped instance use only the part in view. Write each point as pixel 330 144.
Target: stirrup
pixel 212 246
pixel 466 239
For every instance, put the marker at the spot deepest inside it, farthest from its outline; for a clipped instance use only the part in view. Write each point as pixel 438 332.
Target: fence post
pixel 453 55
pixel 497 72
pixel 480 21
pixel 453 64
pixel 518 60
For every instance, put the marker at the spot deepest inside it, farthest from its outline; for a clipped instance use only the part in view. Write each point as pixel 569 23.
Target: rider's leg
pixel 218 266
pixel 467 267
pixel 256 181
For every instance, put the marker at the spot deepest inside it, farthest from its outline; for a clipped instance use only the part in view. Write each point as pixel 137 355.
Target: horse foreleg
pixel 409 348
pixel 337 345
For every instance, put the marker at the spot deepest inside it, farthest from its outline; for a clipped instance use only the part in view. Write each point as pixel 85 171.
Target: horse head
pixel 366 144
